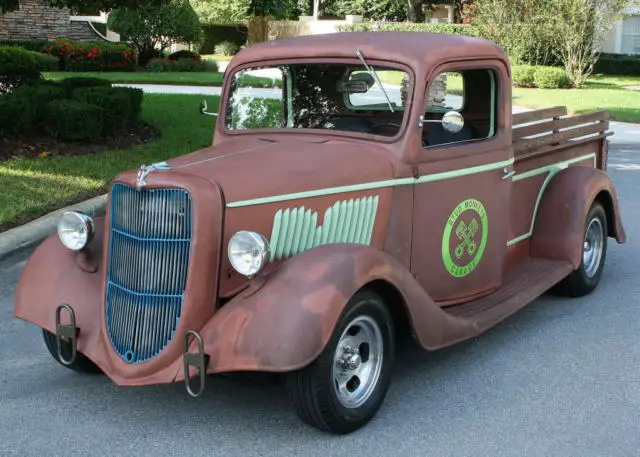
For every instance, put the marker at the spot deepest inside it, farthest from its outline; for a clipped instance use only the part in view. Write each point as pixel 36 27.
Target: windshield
pixel 333 96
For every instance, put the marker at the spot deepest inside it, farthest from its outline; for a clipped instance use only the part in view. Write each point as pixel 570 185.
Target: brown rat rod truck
pixel 360 187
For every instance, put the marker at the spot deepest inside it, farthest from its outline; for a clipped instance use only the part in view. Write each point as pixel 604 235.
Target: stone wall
pixel 36 20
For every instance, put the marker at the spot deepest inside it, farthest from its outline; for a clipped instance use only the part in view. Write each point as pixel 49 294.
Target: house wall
pixel 36 20
pixel 624 37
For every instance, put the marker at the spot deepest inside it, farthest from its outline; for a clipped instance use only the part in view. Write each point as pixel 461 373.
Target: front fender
pixel 52 276
pixel 284 322
pixel 559 228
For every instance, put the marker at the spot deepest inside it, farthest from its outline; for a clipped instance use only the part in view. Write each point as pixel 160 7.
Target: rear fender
pixel 559 227
pixel 283 322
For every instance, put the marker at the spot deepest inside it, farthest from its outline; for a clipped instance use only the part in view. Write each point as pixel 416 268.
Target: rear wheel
pixel 343 389
pixel 81 364
pixel 594 251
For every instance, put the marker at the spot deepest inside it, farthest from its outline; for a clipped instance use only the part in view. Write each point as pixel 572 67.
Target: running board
pixel 522 285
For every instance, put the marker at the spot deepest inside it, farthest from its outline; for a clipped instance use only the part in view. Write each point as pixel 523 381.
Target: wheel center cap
pixel 353 361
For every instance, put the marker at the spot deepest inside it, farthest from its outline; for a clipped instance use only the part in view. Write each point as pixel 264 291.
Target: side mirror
pixel 452 121
pixel 203 109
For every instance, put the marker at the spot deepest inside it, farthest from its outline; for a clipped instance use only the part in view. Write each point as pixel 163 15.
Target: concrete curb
pixel 33 232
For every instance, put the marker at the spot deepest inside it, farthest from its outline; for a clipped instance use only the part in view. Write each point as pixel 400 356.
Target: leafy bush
pixel 71 120
pixel 620 65
pixel 180 65
pixel 31 45
pixel 551 78
pixel 157 28
pixel 36 97
pixel 92 55
pixel 17 66
pixel 17 115
pixel 184 54
pixel 71 84
pixel 226 48
pixel 46 61
pixel 215 34
pixel 523 75
pixel 450 29
pixel 117 105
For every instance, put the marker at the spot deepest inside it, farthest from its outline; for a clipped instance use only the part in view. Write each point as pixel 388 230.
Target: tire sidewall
pixel 369 304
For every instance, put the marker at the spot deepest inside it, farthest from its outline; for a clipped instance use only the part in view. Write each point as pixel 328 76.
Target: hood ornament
pixel 146 169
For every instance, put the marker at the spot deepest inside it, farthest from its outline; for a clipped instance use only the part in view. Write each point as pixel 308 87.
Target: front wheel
pixel 343 389
pixel 81 364
pixel 594 250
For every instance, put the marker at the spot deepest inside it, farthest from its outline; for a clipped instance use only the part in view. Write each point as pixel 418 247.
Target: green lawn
pixel 178 78
pixel 34 187
pixel 600 93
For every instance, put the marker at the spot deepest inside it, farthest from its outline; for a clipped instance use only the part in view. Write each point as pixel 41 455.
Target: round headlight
pixel 248 252
pixel 75 230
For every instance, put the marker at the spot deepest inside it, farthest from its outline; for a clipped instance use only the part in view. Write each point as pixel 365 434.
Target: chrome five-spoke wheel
pixel 345 386
pixel 593 247
pixel 358 361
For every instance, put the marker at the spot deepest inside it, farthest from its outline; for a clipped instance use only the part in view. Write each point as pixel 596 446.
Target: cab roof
pixel 414 49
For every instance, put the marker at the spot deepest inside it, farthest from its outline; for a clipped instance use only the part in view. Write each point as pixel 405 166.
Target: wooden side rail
pixel 551 129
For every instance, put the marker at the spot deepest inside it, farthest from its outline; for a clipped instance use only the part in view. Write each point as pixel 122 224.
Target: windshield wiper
pixel 373 73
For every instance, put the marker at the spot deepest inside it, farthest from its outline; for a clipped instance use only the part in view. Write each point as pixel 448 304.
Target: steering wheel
pixel 377 125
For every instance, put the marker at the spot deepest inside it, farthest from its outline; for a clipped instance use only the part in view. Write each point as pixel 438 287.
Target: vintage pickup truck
pixel 360 187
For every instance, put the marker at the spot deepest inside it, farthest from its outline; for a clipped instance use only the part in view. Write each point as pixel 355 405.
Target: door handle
pixel 508 173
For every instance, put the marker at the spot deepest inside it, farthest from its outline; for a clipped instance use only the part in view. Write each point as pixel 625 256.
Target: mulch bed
pixel 40 146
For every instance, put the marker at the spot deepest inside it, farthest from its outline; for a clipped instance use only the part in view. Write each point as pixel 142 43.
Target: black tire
pixel 584 280
pixel 82 364
pixel 312 389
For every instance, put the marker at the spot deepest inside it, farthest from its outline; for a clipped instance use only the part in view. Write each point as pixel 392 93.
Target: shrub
pixel 36 97
pixel 92 56
pixel 157 28
pixel 551 78
pixel 450 29
pixel 184 54
pixel 17 115
pixel 17 66
pixel 47 62
pixel 523 75
pixel 215 34
pixel 180 65
pixel 226 48
pixel 120 105
pixel 31 45
pixel 621 65
pixel 71 84
pixel 71 120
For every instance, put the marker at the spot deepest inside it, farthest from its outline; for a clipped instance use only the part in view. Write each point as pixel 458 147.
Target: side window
pixel 472 93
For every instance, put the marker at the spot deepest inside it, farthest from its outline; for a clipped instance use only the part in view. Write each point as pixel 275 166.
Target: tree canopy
pixel 98 5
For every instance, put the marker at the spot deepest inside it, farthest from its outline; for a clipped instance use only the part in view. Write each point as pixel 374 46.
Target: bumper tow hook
pixel 67 331
pixel 199 360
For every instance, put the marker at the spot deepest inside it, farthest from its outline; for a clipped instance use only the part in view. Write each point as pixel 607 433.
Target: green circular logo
pixel 465 238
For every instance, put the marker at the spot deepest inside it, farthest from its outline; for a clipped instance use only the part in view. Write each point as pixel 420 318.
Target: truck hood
pixel 247 170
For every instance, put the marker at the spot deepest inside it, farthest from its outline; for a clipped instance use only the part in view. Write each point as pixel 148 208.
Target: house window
pixel 631 36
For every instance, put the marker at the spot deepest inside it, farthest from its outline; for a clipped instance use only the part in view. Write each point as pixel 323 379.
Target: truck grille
pixel 149 243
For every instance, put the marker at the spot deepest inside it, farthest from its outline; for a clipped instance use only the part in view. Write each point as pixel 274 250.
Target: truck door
pixel 463 189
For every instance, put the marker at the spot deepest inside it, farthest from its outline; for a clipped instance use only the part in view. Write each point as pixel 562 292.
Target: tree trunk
pixel 414 11
pixel 318 9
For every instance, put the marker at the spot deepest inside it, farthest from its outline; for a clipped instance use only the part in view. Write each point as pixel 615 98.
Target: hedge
pixel 17 67
pixel 539 76
pixel 215 34
pixel 74 109
pixel 614 64
pixel 31 45
pixel 451 29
